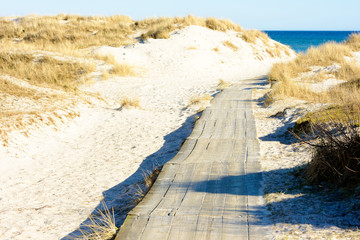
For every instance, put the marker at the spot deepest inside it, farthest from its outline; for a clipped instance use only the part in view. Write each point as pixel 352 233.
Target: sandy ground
pixel 298 210
pixel 52 180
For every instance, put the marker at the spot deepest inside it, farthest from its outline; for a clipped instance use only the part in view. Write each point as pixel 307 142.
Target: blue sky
pixel 259 14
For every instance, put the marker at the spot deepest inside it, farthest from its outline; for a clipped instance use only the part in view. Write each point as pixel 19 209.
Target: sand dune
pixel 52 180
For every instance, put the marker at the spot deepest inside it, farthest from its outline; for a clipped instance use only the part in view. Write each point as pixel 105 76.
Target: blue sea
pixel 300 41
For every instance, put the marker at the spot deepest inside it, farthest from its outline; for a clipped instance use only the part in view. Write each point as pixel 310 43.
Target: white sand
pixel 52 180
pixel 298 210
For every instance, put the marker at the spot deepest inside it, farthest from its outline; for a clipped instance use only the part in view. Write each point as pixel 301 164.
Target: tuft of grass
pixel 354 41
pixel 251 36
pixel 350 70
pixel 200 99
pixel 346 94
pixel 149 178
pixel 230 45
pixel 123 70
pixel 101 226
pixel 192 48
pixel 222 25
pixel 216 49
pixel 130 102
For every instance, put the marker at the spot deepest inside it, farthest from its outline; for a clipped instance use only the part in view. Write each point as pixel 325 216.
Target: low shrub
pixel 336 157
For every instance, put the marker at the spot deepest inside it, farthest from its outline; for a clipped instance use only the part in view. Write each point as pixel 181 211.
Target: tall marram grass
pixel 354 41
pixel 78 32
pixel 251 36
pixel 67 31
pixel 101 226
pixel 43 70
pixel 161 27
pixel 284 74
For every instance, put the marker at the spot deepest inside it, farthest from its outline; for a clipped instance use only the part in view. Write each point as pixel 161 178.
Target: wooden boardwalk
pixel 212 188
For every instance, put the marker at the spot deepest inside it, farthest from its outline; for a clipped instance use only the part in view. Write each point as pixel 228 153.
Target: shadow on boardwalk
pixel 319 206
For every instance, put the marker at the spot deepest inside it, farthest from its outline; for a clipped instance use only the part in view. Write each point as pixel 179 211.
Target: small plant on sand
pixel 101 226
pixel 122 70
pixel 130 102
pixel 230 45
pixel 336 157
pixel 199 102
pixel 216 49
pixel 200 99
pixel 149 178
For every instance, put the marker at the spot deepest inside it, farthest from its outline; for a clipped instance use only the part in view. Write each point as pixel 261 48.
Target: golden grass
pixel 325 55
pixel 216 49
pixel 123 70
pixel 347 94
pixel 199 102
pixel 9 88
pixel 26 89
pixel 200 99
pixel 350 70
pixel 354 41
pixel 130 102
pixel 230 45
pixel 161 27
pixel 44 70
pixel 101 226
pixel 192 48
pixel 66 30
pixel 222 25
pixel 250 36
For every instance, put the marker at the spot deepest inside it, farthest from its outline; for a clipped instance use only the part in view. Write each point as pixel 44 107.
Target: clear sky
pixel 259 14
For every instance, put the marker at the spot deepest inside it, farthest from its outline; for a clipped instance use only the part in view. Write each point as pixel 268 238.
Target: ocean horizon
pixel 301 40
